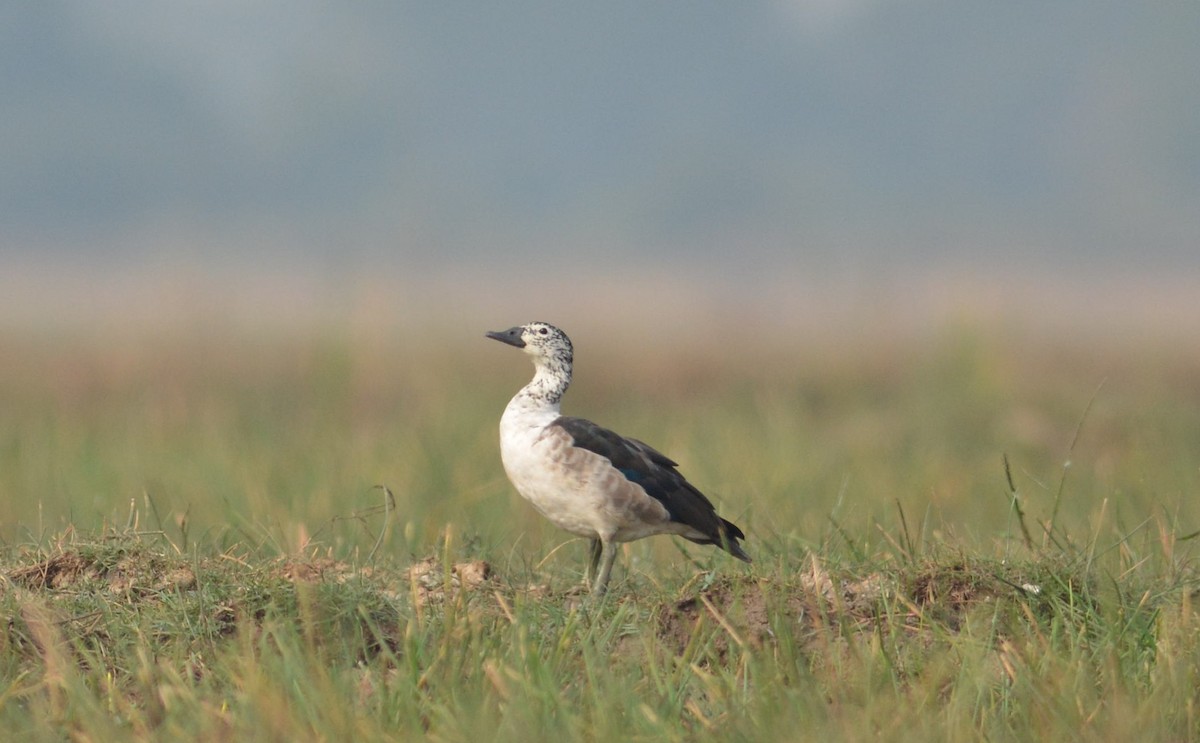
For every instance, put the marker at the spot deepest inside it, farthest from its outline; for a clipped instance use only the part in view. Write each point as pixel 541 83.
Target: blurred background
pixel 852 250
pixel 812 160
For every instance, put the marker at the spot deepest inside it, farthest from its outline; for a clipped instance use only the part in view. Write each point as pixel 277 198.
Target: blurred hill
pixel 847 138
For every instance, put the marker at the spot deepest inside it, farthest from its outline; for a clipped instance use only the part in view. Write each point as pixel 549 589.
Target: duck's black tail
pixel 730 535
pixel 726 538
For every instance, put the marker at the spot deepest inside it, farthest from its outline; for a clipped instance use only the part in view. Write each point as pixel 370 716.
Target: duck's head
pixel 544 342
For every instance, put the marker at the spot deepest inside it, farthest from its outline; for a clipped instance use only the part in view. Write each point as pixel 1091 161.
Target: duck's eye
pixel 543 331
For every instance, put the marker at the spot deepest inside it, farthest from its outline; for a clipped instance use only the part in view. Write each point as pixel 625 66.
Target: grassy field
pixel 195 546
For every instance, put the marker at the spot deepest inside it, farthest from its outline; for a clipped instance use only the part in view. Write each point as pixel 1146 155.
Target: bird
pixel 588 480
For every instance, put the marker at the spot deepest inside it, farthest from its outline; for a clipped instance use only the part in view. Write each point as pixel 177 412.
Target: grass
pixel 955 538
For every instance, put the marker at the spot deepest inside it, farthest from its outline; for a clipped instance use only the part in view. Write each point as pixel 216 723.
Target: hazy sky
pixel 853 135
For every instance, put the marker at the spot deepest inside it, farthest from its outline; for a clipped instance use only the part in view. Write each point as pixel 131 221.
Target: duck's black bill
pixel 512 336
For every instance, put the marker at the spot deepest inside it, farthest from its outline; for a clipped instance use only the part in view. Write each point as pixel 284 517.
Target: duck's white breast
pixel 576 489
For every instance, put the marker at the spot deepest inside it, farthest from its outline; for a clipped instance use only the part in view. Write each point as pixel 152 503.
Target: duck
pixel 589 480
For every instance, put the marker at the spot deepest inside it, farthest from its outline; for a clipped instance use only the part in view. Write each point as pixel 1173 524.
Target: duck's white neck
pixel 550 381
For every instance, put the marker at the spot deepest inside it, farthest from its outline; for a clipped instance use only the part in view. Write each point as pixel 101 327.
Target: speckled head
pixel 541 340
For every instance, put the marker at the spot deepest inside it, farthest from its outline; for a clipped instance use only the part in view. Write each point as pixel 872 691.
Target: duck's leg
pixel 593 562
pixel 607 555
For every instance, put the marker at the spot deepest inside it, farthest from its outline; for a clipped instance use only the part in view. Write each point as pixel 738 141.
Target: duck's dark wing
pixel 656 474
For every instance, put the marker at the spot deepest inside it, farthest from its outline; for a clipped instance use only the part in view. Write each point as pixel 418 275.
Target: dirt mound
pixel 749 612
pixel 433 585
pixel 61 571
pixel 314 570
pixel 738 606
pixel 130 572
pixel 733 613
